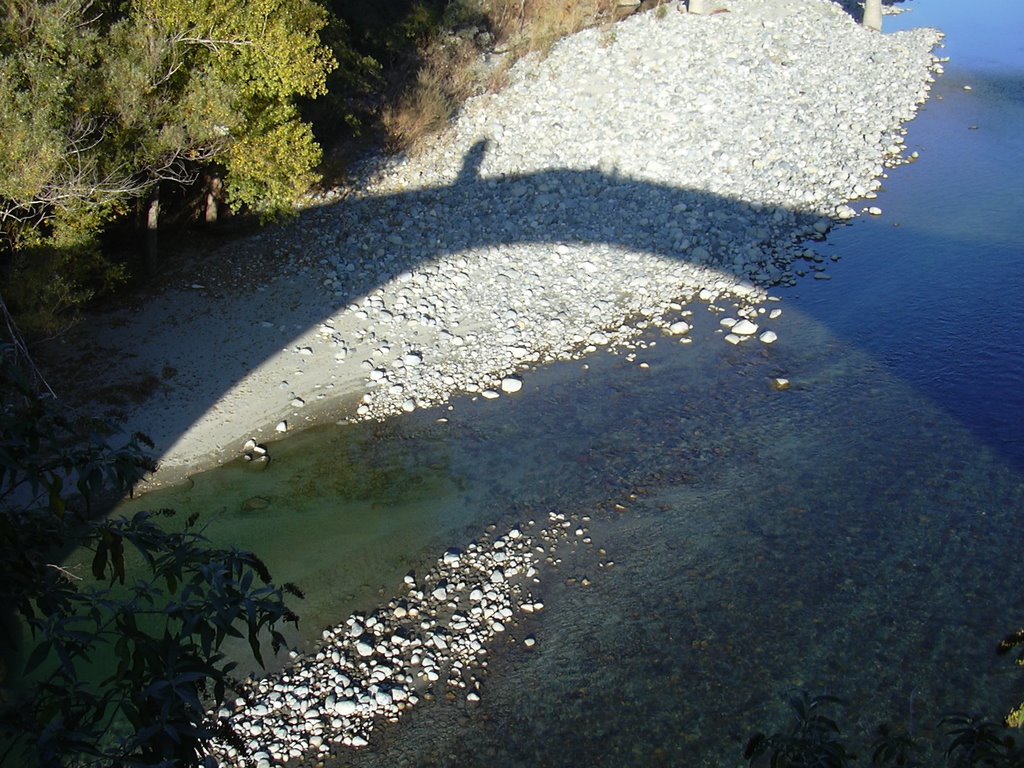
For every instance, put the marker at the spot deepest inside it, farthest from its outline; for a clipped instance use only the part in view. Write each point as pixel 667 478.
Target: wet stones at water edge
pixel 429 642
pixel 256 453
pixel 743 329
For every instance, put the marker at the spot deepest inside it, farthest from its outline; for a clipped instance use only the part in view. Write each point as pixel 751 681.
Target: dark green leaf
pixel 117 558
pixel 37 657
pixel 99 560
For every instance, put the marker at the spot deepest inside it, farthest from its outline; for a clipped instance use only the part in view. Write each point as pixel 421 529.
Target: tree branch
pixel 20 348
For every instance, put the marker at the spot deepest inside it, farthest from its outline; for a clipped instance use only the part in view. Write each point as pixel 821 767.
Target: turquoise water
pixel 857 534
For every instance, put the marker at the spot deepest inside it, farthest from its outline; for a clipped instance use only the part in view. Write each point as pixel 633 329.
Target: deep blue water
pixel 859 534
pixel 933 287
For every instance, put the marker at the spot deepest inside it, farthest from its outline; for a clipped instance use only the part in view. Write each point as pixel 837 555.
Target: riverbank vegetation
pixel 814 737
pixel 107 105
pixel 121 120
pixel 124 119
pixel 113 629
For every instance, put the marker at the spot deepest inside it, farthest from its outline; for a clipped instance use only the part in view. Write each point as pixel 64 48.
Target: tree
pixel 104 101
pixel 873 15
pixel 124 655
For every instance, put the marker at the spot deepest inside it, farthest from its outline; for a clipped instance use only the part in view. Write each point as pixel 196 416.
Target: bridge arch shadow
pixel 747 243
pixel 212 340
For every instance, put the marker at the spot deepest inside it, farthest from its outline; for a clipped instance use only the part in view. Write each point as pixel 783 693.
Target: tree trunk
pixel 213 188
pixel 873 15
pixel 697 6
pixel 152 222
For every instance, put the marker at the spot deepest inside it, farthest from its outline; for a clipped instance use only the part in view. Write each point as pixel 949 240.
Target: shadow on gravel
pixel 560 207
pixel 204 342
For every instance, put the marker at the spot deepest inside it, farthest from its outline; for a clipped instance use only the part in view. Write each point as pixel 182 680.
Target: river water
pixel 858 534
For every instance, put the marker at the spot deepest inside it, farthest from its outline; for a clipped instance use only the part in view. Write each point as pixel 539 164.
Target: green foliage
pixel 353 87
pixel 391 31
pixel 421 23
pixel 272 168
pixel 1014 641
pixel 49 279
pixel 99 102
pixel 233 72
pixel 813 739
pixel 127 618
pixel 976 741
pixel 1015 719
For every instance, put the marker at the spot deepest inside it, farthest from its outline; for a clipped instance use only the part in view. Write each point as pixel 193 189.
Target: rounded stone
pixel 345 708
pixel 511 384
pixel 364 648
pixel 744 328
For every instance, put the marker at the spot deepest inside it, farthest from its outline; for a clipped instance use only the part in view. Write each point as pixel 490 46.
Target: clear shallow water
pixel 858 534
pixel 846 535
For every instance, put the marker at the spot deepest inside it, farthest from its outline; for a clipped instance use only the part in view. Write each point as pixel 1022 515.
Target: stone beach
pixel 632 176
pixel 637 174
pixel 434 637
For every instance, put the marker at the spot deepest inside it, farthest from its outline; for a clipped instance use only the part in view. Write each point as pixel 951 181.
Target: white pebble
pixel 679 328
pixel 511 384
pixel 744 328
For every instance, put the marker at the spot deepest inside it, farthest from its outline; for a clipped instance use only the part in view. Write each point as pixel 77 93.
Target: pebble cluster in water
pixel 372 667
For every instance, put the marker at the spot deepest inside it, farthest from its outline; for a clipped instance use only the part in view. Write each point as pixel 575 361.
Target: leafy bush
pixel 48 280
pixel 1013 641
pixel 813 739
pixel 122 654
